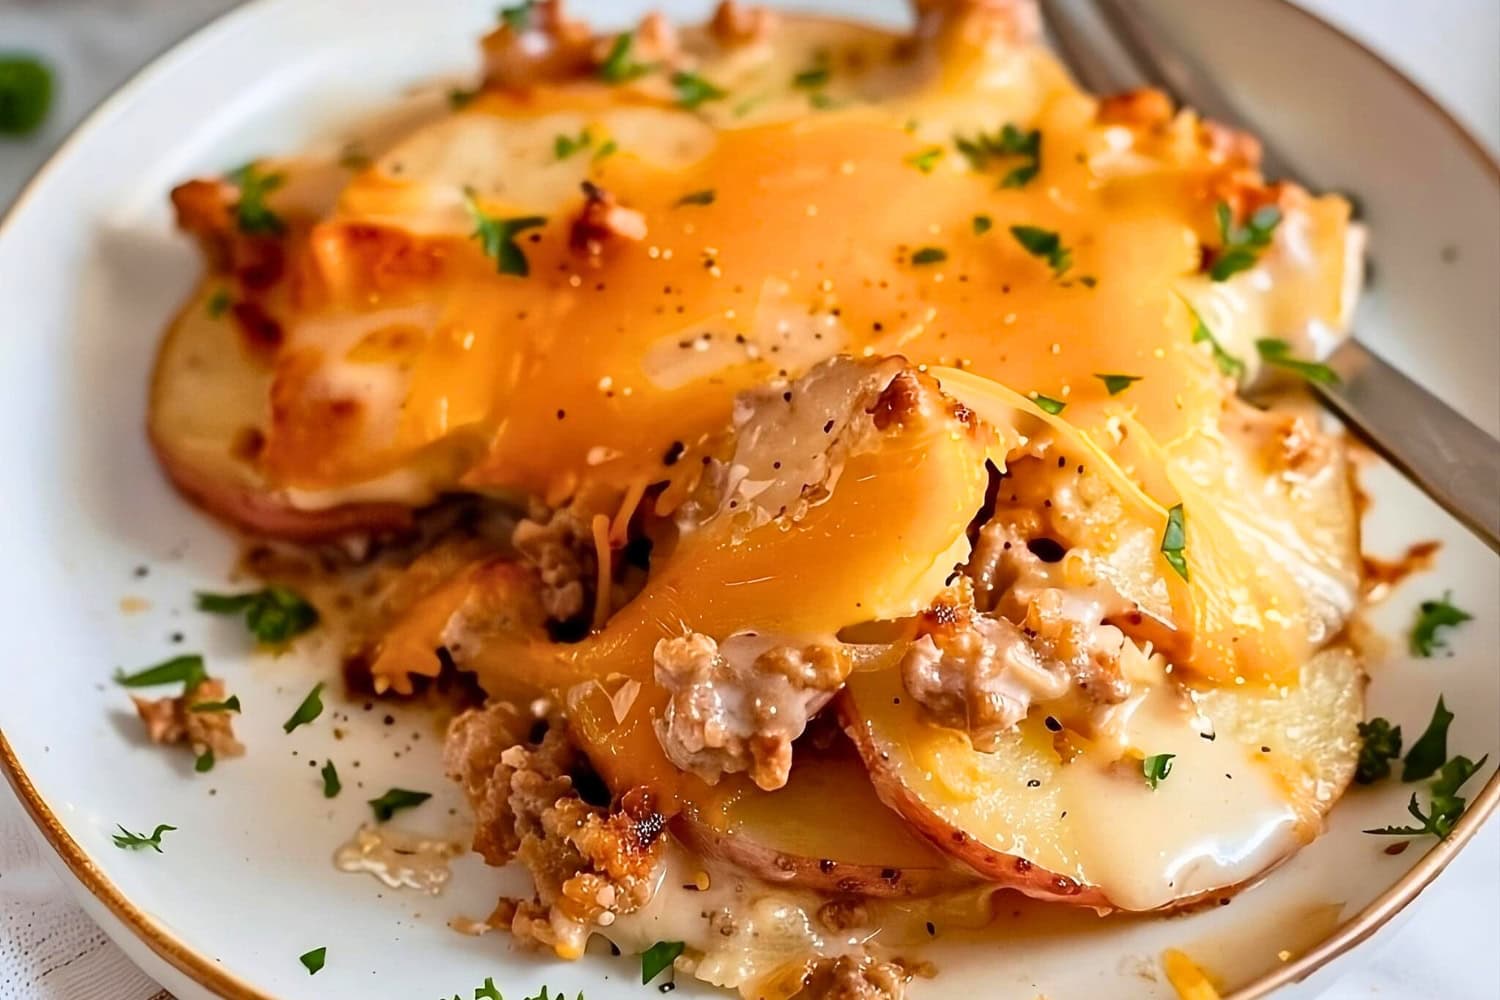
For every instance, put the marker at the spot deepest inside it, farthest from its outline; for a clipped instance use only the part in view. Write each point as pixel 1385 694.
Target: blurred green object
pixel 25 93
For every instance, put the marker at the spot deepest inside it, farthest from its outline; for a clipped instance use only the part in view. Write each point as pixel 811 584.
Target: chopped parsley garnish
pixel 313 960
pixel 1048 404
pixel 693 90
pixel 187 670
pixel 1174 541
pixel 1446 806
pixel 982 224
pixel 704 197
pixel 564 146
pixel 1117 384
pixel 1431 749
pixel 230 704
pixel 1156 767
pixel 929 255
pixel 204 762
pixel 1045 244
pixel 251 213
pixel 606 148
pixel 658 957
pixel 395 800
pixel 1228 364
pixel 1010 143
pixel 1380 743
pixel 274 614
pixel 518 18
pixel 619 66
pixel 498 238
pixel 125 840
pixel 927 159
pixel 814 76
pixel 1431 616
pixel 219 303
pixel 1277 352
pixel 25 94
pixel 1241 246
pixel 488 991
pixel 310 709
pixel 458 98
pixel 331 784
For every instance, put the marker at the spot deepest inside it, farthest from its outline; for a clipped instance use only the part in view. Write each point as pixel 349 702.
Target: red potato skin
pixel 818 874
pixel 261 513
pixel 989 864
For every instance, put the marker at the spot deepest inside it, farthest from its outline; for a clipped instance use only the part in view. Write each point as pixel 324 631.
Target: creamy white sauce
pixel 1226 818
pixel 400 860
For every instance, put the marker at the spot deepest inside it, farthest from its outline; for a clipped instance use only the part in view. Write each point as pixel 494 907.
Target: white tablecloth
pixel 50 951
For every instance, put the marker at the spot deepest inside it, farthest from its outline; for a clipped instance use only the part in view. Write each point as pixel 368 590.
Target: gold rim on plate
pixel 208 973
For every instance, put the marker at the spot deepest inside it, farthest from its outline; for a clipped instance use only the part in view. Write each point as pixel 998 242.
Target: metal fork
pixel 1115 45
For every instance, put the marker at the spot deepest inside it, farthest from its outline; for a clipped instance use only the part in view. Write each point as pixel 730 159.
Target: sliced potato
pixel 207 416
pixel 799 834
pixel 1092 830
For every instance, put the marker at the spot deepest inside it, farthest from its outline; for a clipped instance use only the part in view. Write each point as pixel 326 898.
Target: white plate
pixel 89 270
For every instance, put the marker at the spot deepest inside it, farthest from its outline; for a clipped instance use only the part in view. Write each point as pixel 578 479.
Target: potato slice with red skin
pixel 207 407
pixel 799 834
pixel 1007 815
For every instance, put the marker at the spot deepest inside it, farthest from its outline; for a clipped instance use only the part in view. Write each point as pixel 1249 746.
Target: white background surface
pixel 48 949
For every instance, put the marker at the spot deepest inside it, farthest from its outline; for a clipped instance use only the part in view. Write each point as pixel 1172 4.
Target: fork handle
pixel 1447 457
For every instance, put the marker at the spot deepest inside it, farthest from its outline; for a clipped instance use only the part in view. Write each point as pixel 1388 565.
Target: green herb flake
pixel 927 159
pixel 1174 541
pixel 564 146
pixel 619 66
pixel 1278 353
pixel 204 762
pixel 187 670
pixel 25 94
pixel 1446 805
pixel 659 957
pixel 606 148
pixel 1007 145
pixel 983 224
pixel 313 960
pixel 230 704
pixel 310 709
pixel 929 255
pixel 1431 616
pixel 1228 364
pixel 1156 767
pixel 127 841
pixel 273 614
pixel 331 784
pixel 518 18
pixel 488 991
pixel 1047 404
pixel 1116 384
pixel 815 76
pixel 1046 245
pixel 396 799
pixel 704 197
pixel 693 90
pixel 458 98
pixel 497 237
pixel 219 303
pixel 1241 246
pixel 1379 744
pixel 1431 749
pixel 251 213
